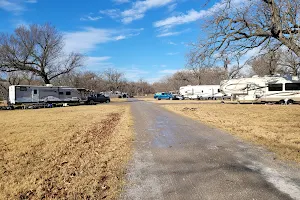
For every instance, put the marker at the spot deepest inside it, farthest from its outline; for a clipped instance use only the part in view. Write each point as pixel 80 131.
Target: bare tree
pixel 161 86
pixel 197 64
pixel 231 64
pixel 266 64
pixel 290 62
pixel 3 86
pixel 180 78
pixel 37 50
pixel 87 79
pixel 114 78
pixel 30 79
pixel 235 70
pixel 238 26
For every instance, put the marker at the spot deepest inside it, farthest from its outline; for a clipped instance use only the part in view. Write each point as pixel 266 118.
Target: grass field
pixel 274 126
pixel 64 153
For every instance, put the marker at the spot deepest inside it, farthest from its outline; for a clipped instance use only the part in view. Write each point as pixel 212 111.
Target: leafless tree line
pixel 108 80
pixel 276 62
pixel 35 55
pixel 280 61
pixel 234 27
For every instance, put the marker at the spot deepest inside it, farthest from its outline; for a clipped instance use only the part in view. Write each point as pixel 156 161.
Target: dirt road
pixel 178 158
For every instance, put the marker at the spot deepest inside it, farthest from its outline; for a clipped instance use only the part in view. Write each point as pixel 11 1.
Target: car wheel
pixel 107 101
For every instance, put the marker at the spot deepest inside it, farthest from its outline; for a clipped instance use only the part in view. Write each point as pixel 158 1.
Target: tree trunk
pixel 45 79
pixel 293 47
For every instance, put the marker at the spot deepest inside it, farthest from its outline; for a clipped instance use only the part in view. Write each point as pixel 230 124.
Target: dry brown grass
pixel 274 126
pixel 64 153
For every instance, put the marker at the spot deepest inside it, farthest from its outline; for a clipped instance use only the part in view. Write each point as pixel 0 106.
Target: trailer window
pixel 34 91
pixel 23 88
pixel 292 86
pixel 61 93
pixel 68 93
pixel 275 87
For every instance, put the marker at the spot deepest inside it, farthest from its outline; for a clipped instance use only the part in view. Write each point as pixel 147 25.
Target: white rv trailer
pixel 25 94
pixel 263 89
pixel 201 91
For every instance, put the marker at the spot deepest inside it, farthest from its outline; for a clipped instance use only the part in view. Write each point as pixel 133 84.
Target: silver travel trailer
pixel 29 94
pixel 263 89
pixel 201 92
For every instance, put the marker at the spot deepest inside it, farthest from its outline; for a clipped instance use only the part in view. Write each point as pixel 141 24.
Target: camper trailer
pixel 29 94
pixel 201 92
pixel 263 89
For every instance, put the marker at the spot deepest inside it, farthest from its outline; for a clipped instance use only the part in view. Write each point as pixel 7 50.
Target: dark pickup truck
pixel 98 98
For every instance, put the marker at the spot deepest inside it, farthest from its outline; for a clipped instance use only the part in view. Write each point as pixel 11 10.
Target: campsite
pixel 150 100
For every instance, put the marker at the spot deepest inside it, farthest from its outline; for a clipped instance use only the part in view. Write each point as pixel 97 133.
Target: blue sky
pixel 143 38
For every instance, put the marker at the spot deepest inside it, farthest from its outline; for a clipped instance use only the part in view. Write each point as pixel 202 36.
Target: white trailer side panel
pixel 23 94
pixel 12 94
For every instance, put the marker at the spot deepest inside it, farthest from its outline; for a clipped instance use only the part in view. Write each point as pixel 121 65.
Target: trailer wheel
pixel 290 101
pixel 281 102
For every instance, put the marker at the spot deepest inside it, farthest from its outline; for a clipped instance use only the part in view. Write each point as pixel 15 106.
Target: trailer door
pixel 35 95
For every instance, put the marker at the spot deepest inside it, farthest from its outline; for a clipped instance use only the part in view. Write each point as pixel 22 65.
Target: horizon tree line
pixel 35 54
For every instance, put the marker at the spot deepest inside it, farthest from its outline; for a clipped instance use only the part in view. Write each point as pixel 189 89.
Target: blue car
pixel 163 95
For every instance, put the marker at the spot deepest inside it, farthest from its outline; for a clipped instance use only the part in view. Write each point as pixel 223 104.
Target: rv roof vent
pixel 255 76
pixel 49 85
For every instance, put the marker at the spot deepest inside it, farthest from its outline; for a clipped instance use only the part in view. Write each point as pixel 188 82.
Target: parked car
pixel 98 98
pixel 177 97
pixel 163 95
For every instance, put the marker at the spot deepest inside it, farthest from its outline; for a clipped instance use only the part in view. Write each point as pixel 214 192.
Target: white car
pixel 177 97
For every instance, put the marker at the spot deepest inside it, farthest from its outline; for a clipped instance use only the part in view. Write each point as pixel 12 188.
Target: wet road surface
pixel 179 158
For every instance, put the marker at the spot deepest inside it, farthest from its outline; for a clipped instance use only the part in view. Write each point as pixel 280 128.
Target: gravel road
pixel 179 158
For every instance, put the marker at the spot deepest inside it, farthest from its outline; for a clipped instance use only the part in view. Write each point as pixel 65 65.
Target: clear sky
pixel 143 38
